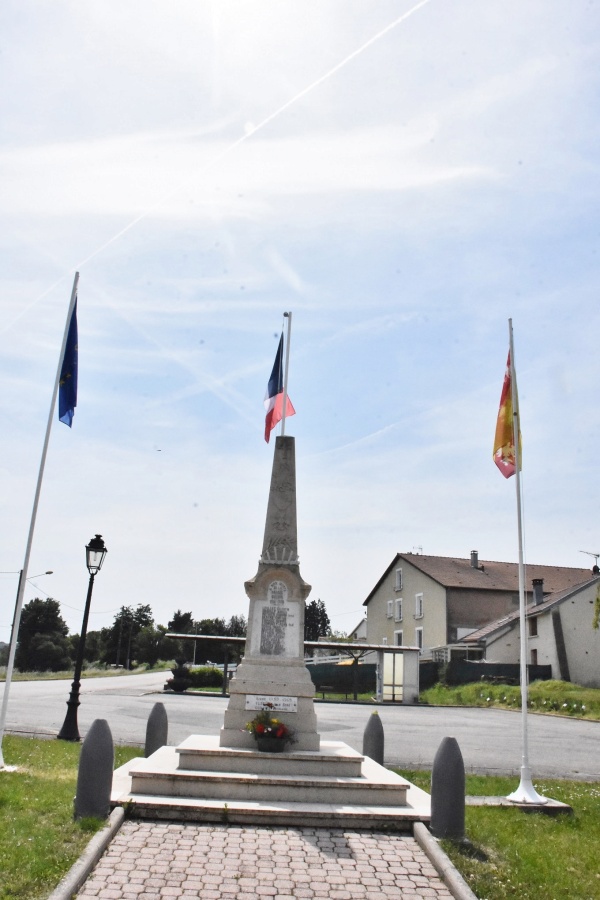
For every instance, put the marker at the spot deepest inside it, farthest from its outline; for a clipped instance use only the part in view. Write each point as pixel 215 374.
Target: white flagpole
pixel 23 575
pixel 288 316
pixel 525 793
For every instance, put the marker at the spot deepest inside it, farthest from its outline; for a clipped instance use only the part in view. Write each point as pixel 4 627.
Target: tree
pixel 50 652
pixel 95 645
pixel 182 623
pixel 316 621
pixel 237 626
pixel 120 641
pixel 152 645
pixel 43 643
pixel 213 651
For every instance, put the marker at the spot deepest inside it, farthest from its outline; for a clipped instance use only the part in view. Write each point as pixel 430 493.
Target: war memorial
pixel 302 779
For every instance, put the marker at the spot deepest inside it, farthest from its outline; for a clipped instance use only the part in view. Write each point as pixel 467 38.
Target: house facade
pixel 560 633
pixel 360 632
pixel 432 601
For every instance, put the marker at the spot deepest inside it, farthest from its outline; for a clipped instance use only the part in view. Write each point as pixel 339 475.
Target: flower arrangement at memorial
pixel 266 725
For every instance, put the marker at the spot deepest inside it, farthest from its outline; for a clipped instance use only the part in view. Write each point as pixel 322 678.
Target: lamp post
pixel 94 557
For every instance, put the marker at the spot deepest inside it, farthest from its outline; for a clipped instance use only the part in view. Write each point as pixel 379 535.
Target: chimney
pixel 538 591
pixel 474 559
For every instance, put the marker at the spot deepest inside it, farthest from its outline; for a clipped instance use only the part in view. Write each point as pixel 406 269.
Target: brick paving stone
pixel 181 861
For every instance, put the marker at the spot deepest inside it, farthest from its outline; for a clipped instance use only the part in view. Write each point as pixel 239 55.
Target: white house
pixel 560 633
pixel 432 601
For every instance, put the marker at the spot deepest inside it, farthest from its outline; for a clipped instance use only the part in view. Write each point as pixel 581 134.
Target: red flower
pixel 280 731
pixel 259 728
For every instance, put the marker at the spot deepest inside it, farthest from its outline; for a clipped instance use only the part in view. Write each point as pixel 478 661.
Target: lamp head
pixel 94 554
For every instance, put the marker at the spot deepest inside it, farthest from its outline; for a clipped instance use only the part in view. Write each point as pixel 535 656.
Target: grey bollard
pixel 94 778
pixel 373 739
pixel 157 729
pixel 448 792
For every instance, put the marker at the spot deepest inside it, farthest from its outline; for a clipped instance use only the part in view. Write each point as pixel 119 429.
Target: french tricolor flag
pixel 274 395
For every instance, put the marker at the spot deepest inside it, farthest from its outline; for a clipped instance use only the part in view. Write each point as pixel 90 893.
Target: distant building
pixel 560 633
pixel 360 632
pixel 435 601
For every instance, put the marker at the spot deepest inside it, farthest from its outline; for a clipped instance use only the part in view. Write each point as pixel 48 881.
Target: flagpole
pixel 23 574
pixel 525 793
pixel 288 316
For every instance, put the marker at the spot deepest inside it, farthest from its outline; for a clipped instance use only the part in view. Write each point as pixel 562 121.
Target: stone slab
pixel 203 752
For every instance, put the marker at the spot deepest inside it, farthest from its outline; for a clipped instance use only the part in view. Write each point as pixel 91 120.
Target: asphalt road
pixel 490 739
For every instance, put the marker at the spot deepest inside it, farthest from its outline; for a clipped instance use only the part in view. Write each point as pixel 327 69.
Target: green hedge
pixel 205 677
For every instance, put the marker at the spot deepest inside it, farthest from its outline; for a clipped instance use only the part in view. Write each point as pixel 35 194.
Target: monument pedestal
pixel 290 690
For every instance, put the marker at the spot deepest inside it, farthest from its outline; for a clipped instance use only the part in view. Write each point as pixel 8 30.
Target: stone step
pixel 158 787
pixel 305 815
pixel 334 759
pixel 271 788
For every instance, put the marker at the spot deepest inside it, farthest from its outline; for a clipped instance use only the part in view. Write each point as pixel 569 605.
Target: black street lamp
pixel 94 557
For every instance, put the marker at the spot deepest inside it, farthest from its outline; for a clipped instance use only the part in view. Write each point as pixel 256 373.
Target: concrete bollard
pixel 157 729
pixel 448 792
pixel 373 739
pixel 94 777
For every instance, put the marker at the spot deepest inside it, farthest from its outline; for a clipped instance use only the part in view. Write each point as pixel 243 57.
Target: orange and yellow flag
pixel 504 440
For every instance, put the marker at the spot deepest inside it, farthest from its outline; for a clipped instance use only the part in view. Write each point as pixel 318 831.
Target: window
pixel 398 581
pixel 390 609
pixel 533 627
pixel 419 638
pixel 534 658
pixel 398 611
pixel 418 606
pixel 398 638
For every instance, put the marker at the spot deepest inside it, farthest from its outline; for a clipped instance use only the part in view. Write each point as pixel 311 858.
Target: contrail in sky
pixel 233 146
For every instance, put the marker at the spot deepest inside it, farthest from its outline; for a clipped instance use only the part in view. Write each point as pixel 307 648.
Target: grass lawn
pixel 39 841
pixel 513 854
pixel 553 697
pixel 91 672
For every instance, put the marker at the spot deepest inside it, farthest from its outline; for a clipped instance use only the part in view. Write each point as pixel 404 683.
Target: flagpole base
pixel 3 766
pixel 526 793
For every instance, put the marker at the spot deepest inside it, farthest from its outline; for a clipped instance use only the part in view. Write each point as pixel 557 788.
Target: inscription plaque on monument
pixel 274 620
pixel 275 623
pixel 280 704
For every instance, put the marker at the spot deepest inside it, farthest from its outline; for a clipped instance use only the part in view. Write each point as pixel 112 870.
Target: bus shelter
pixel 397 667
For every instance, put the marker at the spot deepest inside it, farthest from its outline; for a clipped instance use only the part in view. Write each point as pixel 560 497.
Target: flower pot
pixel 270 744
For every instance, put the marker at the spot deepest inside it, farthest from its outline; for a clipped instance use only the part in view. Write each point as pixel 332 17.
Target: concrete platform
pixel 284 789
pixel 549 808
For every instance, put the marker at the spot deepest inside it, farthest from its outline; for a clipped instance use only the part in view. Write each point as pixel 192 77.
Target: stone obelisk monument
pixel 273 670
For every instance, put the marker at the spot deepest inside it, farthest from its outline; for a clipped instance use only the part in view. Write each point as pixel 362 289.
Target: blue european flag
pixel 67 391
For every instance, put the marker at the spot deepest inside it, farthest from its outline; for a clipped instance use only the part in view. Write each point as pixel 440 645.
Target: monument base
pixel 203 782
pixel 287 685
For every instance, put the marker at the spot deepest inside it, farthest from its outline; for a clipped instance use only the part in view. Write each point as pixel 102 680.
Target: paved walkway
pixel 178 861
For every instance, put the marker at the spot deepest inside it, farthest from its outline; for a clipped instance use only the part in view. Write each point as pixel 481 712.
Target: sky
pixel 404 177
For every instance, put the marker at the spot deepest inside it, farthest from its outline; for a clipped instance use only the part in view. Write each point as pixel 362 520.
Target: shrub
pixel 180 680
pixel 205 677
